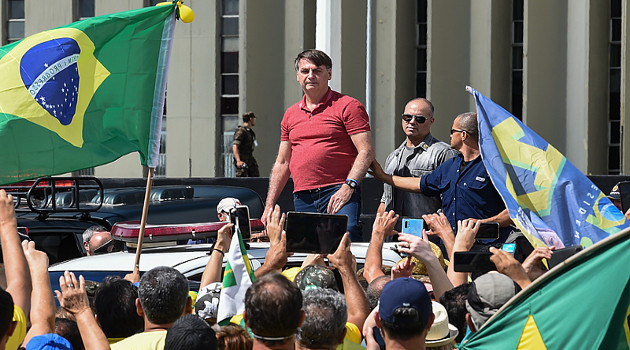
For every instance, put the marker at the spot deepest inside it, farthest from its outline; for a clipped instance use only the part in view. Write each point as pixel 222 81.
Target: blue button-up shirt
pixel 465 194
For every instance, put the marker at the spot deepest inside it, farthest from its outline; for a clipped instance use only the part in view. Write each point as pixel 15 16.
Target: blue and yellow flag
pixel 84 94
pixel 548 198
pixel 582 304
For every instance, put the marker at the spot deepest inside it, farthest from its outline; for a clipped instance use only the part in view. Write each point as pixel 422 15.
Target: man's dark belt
pixel 316 190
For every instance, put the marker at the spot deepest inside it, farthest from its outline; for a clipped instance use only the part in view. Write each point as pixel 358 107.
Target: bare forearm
pixel 438 277
pixel 410 184
pixel 235 152
pixel 503 218
pixel 16 268
pixel 356 299
pixel 456 278
pixel 91 334
pixel 374 258
pixel 279 177
pixel 212 272
pixel 361 164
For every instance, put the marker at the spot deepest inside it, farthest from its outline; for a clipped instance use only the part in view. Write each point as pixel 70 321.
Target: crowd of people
pixel 422 302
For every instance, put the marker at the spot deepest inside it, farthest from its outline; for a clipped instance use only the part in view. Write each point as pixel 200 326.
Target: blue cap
pixel 48 342
pixel 404 292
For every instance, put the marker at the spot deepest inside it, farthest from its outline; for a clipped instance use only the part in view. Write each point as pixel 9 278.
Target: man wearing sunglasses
pixel 418 155
pixel 463 182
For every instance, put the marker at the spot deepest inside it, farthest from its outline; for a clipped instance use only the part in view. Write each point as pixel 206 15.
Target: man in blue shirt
pixel 466 188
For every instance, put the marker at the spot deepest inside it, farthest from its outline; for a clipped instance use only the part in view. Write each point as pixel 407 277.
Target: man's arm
pixel 279 177
pixel 43 310
pixel 503 218
pixel 277 255
pixel 363 143
pixel 410 184
pixel 464 240
pixel 383 227
pixel 212 272
pixel 237 156
pixel 356 299
pixel 15 266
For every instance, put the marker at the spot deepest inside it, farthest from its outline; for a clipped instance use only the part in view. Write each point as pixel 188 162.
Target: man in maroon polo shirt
pixel 325 143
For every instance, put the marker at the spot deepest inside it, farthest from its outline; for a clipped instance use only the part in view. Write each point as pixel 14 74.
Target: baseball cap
pixel 207 303
pixel 313 276
pixel 226 204
pixel 48 342
pixel 404 292
pixel 441 331
pixel 614 193
pixel 487 294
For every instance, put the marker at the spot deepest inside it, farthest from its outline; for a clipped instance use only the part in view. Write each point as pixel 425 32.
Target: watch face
pixel 351 184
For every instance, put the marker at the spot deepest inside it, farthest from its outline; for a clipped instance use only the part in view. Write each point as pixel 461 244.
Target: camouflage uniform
pixel 245 140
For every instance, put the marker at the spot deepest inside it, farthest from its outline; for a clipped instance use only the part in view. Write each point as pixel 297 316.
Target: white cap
pixel 226 204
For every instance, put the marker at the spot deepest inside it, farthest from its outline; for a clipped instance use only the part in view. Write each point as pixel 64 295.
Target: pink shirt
pixel 322 151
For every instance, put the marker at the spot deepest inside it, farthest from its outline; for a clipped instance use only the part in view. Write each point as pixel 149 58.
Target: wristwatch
pixel 354 184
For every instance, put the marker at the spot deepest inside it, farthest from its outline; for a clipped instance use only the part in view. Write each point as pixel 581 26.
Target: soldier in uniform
pixel 243 148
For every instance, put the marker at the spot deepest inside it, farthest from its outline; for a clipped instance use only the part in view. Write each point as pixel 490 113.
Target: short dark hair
pixel 272 306
pixel 163 294
pixel 325 318
pixel 70 331
pixel 454 301
pixel 468 122
pixel 234 337
pixel 6 311
pixel 318 57
pixel 115 306
pixel 375 288
pixel 247 116
pixel 190 332
pixel 405 330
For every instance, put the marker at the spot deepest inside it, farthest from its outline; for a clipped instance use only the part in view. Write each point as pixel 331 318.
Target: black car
pixel 54 212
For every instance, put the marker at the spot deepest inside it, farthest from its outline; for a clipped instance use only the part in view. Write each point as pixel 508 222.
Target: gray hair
pixel 163 293
pixel 468 122
pixel 89 232
pixel 325 321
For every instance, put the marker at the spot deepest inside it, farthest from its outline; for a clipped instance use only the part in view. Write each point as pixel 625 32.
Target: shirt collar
pixel 323 102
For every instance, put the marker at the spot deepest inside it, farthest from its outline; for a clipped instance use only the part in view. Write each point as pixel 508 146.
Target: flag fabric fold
pixel 548 198
pixel 84 94
pixel 582 304
pixel 237 278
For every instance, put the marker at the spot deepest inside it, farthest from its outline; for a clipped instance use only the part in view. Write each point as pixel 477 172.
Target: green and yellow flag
pixel 84 94
pixel 582 304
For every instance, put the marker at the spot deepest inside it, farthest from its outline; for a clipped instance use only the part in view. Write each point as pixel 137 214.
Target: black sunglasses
pixel 457 130
pixel 419 118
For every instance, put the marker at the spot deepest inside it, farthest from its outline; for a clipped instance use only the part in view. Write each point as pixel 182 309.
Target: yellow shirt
pixel 353 338
pixel 142 341
pixel 19 333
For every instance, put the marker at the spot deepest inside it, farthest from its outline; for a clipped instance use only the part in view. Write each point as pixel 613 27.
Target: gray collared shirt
pixel 414 161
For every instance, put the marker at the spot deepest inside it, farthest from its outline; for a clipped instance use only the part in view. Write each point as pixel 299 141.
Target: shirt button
pixel 464 184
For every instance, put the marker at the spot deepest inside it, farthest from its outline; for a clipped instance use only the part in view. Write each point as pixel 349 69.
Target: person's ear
pixel 377 318
pixel 11 329
pixel 86 245
pixel 470 323
pixel 430 321
pixel 189 307
pixel 302 317
pixel 245 318
pixel 343 336
pixel 139 309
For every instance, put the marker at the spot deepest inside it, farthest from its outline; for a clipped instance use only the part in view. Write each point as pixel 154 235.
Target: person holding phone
pixel 463 182
pixel 325 144
pixel 419 154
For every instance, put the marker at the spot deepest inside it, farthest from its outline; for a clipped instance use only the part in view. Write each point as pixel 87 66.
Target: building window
pixel 517 58
pixel 614 87
pixel 15 20
pixel 229 80
pixel 421 49
pixel 86 9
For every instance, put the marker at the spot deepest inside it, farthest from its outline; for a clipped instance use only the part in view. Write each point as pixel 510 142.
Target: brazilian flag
pixel 84 94
pixel 582 304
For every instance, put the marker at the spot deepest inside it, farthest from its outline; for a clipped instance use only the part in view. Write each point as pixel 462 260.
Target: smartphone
pixel 314 232
pixel 473 262
pixel 509 247
pixel 413 226
pixel 560 255
pixel 488 230
pixel 239 216
pixel 624 193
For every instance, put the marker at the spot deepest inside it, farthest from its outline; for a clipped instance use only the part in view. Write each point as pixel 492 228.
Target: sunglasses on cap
pixel 419 118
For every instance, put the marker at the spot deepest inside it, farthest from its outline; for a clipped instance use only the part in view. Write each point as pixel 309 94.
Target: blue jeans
pixel 317 202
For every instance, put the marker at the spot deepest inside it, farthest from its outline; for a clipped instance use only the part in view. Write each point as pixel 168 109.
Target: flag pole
pixel 143 221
